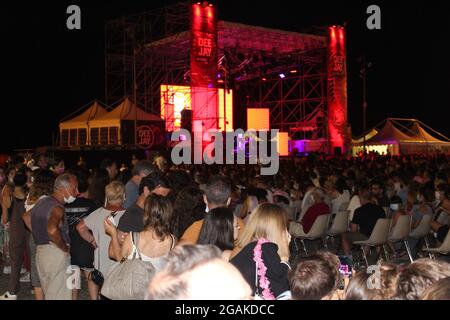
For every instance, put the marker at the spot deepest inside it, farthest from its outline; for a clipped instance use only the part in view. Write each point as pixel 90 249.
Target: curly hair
pixel 43 182
pixel 418 276
pixel 188 208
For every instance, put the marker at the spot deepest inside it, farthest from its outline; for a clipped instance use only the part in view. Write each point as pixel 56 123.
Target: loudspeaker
pixel 186 119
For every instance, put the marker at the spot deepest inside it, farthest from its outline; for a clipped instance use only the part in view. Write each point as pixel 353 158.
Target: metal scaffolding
pixel 147 50
pixel 136 60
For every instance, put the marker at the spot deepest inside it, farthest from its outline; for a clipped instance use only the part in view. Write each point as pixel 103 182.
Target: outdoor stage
pixel 182 65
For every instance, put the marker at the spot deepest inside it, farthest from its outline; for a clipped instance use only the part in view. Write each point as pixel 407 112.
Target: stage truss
pixel 148 50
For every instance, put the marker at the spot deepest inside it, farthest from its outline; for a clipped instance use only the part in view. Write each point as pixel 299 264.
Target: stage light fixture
pixel 282 75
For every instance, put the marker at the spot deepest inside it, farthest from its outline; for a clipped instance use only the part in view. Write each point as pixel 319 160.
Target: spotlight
pixel 282 75
pixel 293 71
pixel 264 79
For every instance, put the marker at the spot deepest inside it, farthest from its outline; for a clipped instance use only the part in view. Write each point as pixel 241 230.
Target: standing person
pixel 220 228
pixel 110 166
pixel 58 166
pixel 188 208
pixel 217 194
pixel 50 230
pixel 154 241
pixel 97 186
pixel 264 246
pixel 140 170
pixel 133 219
pixel 18 239
pixel 42 186
pixel 81 251
pixel 92 228
pixel 5 202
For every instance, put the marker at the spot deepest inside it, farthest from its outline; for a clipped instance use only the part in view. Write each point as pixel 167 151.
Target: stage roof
pixel 247 37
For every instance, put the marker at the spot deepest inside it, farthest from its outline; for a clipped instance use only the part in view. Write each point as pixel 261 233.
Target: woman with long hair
pixel 220 228
pixel 189 207
pixel 263 251
pixel 154 242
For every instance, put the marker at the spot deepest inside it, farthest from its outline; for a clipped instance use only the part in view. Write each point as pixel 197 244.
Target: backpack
pixel 128 279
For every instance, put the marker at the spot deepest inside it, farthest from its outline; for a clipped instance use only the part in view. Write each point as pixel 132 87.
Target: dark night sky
pixel 49 71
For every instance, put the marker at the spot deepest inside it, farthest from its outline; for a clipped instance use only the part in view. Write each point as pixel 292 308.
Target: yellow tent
pixel 74 131
pixel 117 126
pixel 126 110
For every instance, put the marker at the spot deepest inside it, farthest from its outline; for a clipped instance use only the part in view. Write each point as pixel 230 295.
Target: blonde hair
pixel 268 221
pixel 115 192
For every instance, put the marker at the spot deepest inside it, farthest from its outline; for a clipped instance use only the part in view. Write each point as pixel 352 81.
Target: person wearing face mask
pixel 51 233
pixel 396 209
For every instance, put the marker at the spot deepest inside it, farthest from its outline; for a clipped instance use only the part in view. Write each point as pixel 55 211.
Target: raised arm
pixel 117 247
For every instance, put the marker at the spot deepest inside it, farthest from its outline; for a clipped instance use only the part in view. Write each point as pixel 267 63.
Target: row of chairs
pixel 381 234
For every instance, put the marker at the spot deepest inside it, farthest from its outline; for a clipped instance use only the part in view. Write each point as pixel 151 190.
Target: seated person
pixel 442 229
pixel 319 207
pixel 363 221
pixel 396 209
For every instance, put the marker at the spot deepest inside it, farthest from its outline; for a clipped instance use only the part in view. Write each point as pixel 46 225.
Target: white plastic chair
pixel 318 231
pixel 401 231
pixel 379 237
pixel 444 248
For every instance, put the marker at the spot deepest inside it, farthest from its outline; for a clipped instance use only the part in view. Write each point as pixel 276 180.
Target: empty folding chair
pixel 318 231
pixel 379 237
pixel 401 231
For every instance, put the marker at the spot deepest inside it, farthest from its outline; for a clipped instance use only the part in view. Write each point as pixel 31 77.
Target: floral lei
pixel 264 283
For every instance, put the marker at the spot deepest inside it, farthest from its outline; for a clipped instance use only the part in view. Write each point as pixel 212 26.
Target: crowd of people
pixel 222 224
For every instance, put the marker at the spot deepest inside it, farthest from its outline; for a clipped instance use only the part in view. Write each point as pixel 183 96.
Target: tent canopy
pixel 126 110
pixel 389 134
pixel 405 136
pixel 82 121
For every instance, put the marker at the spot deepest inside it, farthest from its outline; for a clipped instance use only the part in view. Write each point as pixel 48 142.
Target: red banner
pixel 203 46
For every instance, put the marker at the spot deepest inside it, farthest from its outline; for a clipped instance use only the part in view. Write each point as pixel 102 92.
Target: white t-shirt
pixel 95 222
pixel 336 203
